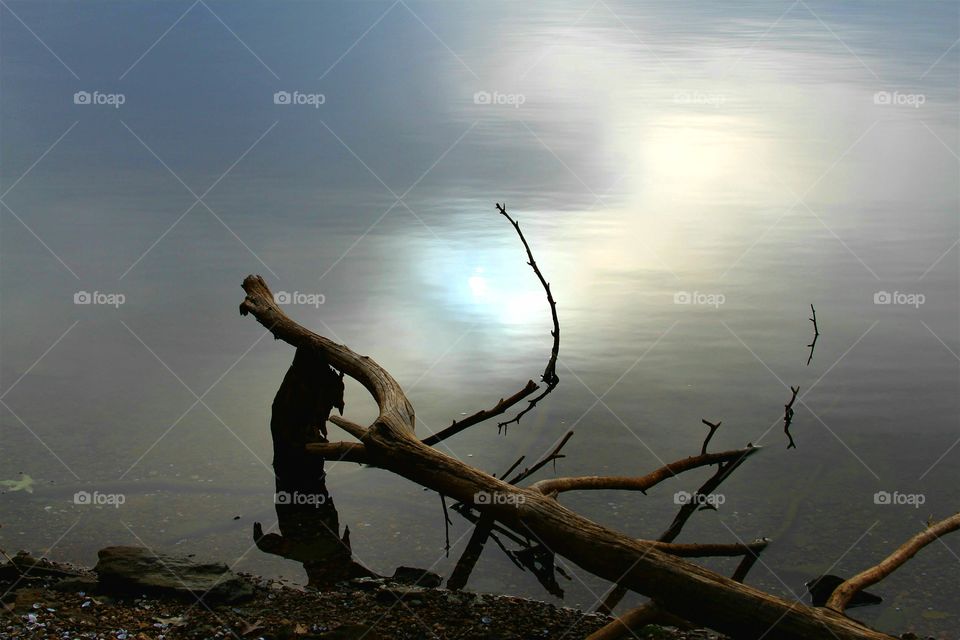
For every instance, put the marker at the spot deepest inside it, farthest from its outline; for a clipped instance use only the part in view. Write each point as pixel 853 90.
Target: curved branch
pixel 396 413
pixel 549 375
pixel 844 593
pixel 635 619
pixel 550 371
pixel 554 486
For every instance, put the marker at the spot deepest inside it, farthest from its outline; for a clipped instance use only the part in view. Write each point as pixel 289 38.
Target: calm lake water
pixel 751 159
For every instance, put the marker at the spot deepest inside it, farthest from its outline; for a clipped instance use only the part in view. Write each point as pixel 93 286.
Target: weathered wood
pixel 554 486
pixel 842 595
pixel 680 587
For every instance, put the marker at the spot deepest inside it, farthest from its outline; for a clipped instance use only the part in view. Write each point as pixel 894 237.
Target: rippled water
pixel 757 157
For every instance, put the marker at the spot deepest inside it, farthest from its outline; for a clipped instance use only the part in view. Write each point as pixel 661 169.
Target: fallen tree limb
pixel 842 595
pixel 634 620
pixel 684 589
pixel 554 486
pixel 711 550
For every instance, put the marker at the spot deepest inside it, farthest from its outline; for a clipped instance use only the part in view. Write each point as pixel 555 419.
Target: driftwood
pixel 843 594
pixel 658 569
pixel 816 334
pixel 788 416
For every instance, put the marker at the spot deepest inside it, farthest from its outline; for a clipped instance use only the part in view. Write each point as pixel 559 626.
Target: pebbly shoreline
pixel 127 600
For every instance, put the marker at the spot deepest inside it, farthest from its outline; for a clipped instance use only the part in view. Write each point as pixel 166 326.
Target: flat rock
pixel 74 584
pixel 135 570
pixel 418 577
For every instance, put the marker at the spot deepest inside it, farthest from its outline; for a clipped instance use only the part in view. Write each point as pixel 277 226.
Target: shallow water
pixel 739 154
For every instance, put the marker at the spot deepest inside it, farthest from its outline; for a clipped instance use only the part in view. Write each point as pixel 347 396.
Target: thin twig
pixel 816 334
pixel 446 524
pixel 713 429
pixel 549 375
pixel 788 417
pixel 553 456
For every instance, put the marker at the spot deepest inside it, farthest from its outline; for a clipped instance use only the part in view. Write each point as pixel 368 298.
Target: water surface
pixel 772 154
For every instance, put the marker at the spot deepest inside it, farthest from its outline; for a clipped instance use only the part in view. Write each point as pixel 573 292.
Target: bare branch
pixel 635 619
pixel 554 486
pixel 713 550
pixel 841 597
pixel 553 456
pixel 713 429
pixel 483 414
pixel 788 416
pixel 740 573
pixel 816 334
pixel 549 375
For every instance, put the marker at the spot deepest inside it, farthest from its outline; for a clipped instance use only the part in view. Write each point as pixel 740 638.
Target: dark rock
pixel 135 570
pixel 393 594
pixel 25 564
pixel 74 584
pixel 419 577
pixel 367 584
